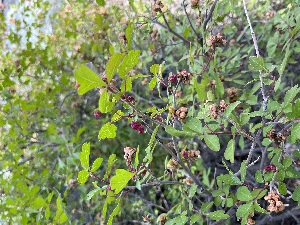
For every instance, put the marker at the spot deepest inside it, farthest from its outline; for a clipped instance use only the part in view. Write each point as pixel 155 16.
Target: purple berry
pixel 97 114
pixel 185 154
pixel 130 99
pixel 173 78
pixel 141 129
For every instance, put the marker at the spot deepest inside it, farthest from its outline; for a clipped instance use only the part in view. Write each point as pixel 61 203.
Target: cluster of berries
pixel 191 154
pixel 215 110
pixel 137 126
pixel 275 204
pixel 216 41
pixel 276 137
pixel 180 113
pixel 157 7
pixel 268 168
pixel 182 76
pixel 128 153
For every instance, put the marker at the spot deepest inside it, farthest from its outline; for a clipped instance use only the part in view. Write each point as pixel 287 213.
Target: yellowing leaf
pixel 107 131
pixel 120 180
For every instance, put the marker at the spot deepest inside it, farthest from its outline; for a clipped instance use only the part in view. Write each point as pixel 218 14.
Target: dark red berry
pixel 268 168
pixel 185 154
pixel 108 188
pixel 141 129
pixel 130 99
pixel 173 78
pixel 123 97
pixel 97 114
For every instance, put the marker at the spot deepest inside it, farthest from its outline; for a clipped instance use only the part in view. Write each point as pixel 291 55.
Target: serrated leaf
pixel 120 180
pixel 97 163
pixel 206 206
pixel 114 213
pixel 256 63
pixel 295 133
pixel 260 209
pixel 243 170
pixel 290 95
pixel 192 190
pixel 231 107
pixel 105 105
pixel 110 163
pixel 195 218
pixel 113 65
pixel 243 194
pixel 244 210
pixel 128 34
pixel 154 69
pixel 296 194
pixel 258 193
pixel 92 193
pixel 129 62
pixel 152 83
pixel 84 156
pixel 117 116
pixel 282 188
pixel 87 79
pixel 137 156
pixel 194 125
pixel 218 215
pixel 229 152
pixel 126 84
pixel 258 177
pixel 172 131
pixel 107 131
pixel 83 176
pixel 212 141
pixel 284 62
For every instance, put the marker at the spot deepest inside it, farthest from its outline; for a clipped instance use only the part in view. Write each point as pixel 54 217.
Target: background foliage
pixel 74 79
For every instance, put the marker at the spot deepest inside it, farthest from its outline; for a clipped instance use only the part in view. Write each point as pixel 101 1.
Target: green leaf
pixel 192 190
pixel 92 193
pixel 154 69
pixel 195 218
pixel 218 215
pixel 230 108
pixel 284 62
pixel 113 65
pixel 243 194
pixel 107 131
pixel 126 84
pixel 100 2
pixel 296 195
pixel 258 177
pixel 110 163
pixel 120 180
pixel 194 125
pixel 256 63
pixel 260 209
pixel 290 95
pixel 84 156
pixel 206 206
pixel 114 213
pixel 172 131
pixel 152 83
pixel 87 79
pixel 229 152
pixel 295 133
pixel 105 105
pixel 258 193
pixel 212 141
pixel 282 188
pixel 83 176
pixel 129 62
pixel 128 34
pixel 243 170
pixel 244 210
pixel 96 165
pixel 117 116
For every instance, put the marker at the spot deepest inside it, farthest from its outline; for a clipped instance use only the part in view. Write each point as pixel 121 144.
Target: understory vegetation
pixel 150 112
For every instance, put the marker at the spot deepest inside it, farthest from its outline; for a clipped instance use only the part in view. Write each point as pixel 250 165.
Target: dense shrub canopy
pixel 150 112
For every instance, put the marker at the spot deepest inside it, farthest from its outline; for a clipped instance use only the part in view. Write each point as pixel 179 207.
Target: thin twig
pixel 262 86
pixel 208 17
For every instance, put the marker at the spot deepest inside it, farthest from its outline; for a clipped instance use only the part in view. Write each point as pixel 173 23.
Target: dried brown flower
pixel 128 153
pixel 274 200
